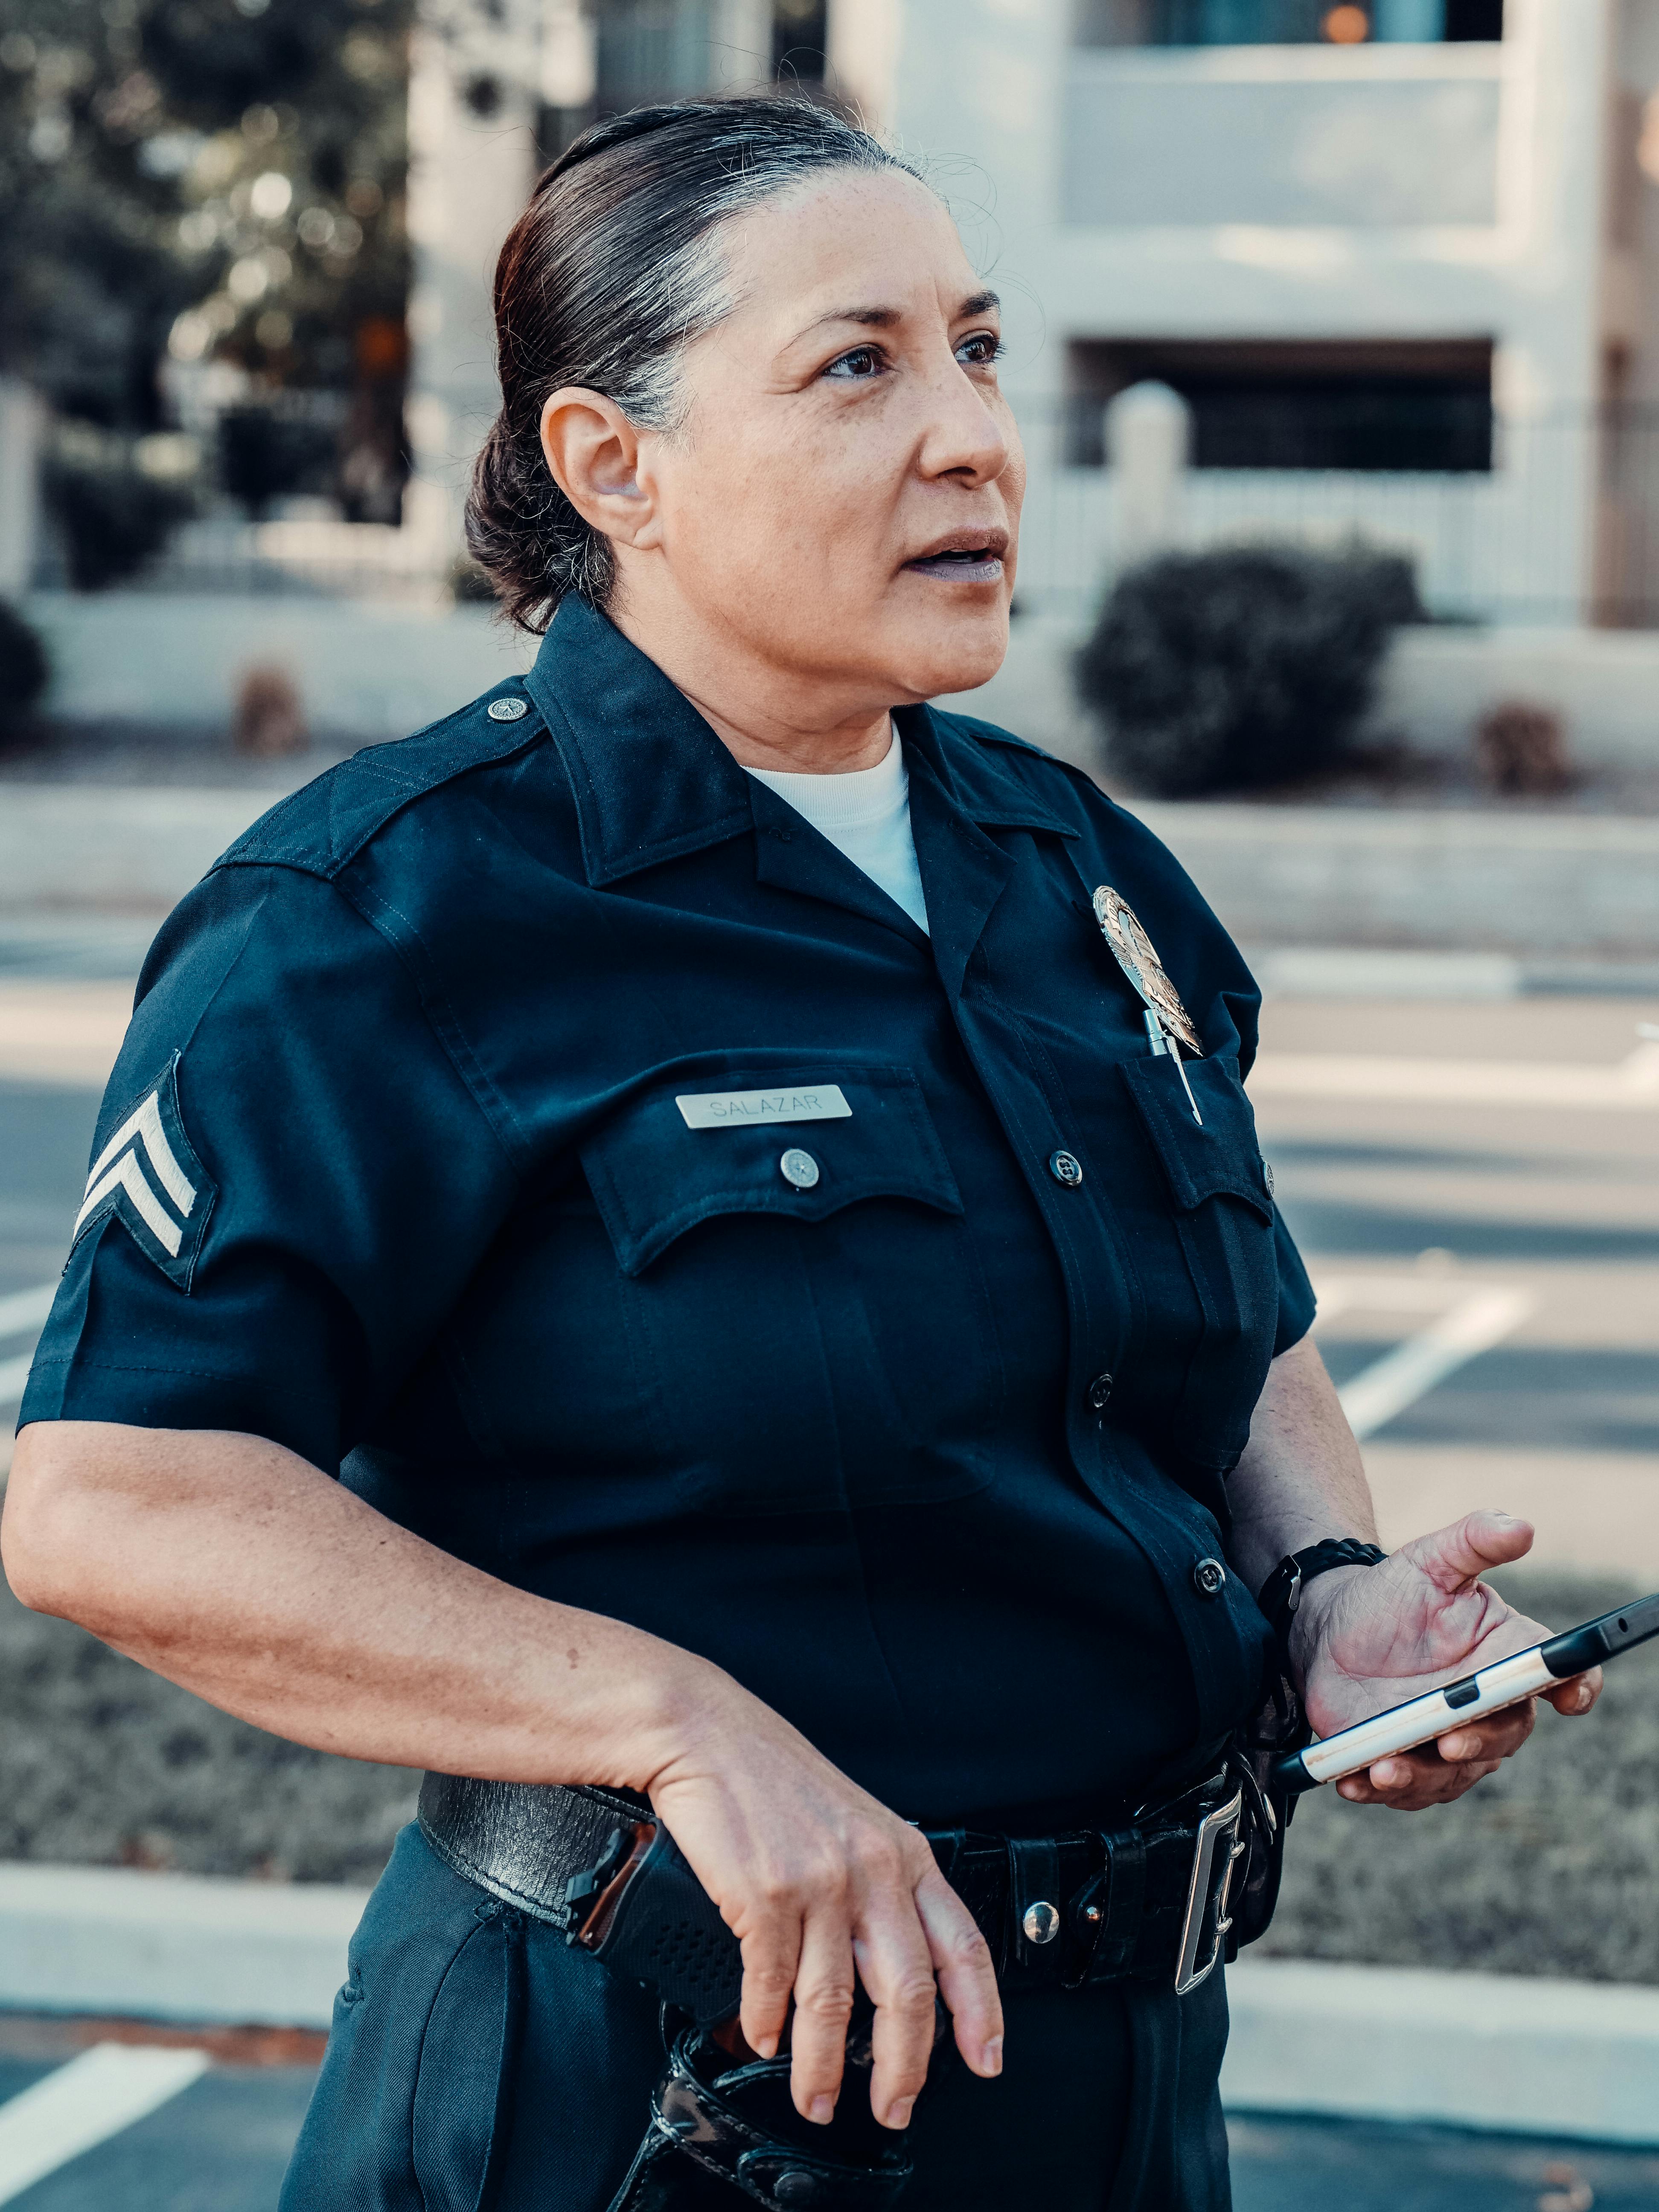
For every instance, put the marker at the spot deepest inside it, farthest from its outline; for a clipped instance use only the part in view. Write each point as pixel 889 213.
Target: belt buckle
pixel 1225 1820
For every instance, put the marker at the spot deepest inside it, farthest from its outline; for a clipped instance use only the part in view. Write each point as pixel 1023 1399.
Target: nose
pixel 961 436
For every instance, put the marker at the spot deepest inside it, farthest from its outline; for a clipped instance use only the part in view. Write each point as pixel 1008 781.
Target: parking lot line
pixel 21 1310
pixel 1478 1321
pixel 1630 1085
pixel 93 2098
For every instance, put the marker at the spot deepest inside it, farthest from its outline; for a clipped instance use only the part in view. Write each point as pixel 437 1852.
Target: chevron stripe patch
pixel 149 1176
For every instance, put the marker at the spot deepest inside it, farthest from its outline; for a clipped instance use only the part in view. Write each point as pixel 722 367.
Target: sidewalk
pixel 1534 2058
pixel 1533 886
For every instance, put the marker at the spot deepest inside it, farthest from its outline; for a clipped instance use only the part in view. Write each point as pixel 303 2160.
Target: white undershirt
pixel 865 814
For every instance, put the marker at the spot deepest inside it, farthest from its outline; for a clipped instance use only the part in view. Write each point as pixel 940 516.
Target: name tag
pixel 731 1110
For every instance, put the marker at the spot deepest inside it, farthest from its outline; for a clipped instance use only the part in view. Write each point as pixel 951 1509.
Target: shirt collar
pixel 652 781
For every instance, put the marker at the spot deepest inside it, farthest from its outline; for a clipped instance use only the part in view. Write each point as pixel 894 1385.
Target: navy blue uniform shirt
pixel 924 1452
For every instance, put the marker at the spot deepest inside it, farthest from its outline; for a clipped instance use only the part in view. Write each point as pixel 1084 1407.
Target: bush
pixel 113 514
pixel 1229 670
pixel 23 670
pixel 266 455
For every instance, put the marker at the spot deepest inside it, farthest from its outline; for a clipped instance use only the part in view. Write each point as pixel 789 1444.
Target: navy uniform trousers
pixel 477 2064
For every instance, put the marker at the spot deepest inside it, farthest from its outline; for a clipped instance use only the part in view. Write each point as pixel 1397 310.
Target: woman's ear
pixel 593 450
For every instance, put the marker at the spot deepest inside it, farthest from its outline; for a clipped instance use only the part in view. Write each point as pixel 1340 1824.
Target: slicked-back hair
pixel 611 270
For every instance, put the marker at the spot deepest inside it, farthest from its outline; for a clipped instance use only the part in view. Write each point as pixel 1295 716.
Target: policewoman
pixel 693 1231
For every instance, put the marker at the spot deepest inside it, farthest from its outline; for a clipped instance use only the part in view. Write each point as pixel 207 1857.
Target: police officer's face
pixel 843 499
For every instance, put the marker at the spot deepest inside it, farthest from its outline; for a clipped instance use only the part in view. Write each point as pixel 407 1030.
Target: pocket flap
pixel 1222 1155
pixel 652 1177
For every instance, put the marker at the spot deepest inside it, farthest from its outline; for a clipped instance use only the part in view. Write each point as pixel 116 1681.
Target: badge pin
pixel 1168 1025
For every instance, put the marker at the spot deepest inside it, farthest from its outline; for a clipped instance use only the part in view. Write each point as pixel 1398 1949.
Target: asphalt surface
pixel 1411 1209
pixel 221 2145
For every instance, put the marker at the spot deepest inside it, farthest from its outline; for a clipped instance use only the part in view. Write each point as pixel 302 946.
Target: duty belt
pixel 1146 1902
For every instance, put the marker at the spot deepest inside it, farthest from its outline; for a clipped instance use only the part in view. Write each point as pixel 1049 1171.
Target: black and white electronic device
pixel 1488 1690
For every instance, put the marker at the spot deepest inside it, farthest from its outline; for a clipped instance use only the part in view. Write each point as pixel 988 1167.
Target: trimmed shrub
pixel 112 515
pixel 1241 667
pixel 23 670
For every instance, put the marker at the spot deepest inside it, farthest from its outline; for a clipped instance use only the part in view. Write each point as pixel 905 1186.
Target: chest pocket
pixel 808 1339
pixel 1224 1219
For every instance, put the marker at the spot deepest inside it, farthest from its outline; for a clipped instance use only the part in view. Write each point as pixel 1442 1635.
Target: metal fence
pixel 1561 528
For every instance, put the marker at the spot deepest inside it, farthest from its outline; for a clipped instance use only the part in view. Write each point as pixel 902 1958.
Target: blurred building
pixel 1400 262
pixel 497 88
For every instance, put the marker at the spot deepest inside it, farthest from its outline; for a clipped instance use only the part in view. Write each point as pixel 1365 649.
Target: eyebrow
pixel 883 319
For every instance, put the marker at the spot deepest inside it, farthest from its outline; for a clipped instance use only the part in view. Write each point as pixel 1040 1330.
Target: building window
pixel 1393 405
pixel 801 33
pixel 1285 22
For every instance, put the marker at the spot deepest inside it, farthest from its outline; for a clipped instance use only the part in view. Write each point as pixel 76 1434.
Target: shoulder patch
pixel 150 1176
pixel 326 823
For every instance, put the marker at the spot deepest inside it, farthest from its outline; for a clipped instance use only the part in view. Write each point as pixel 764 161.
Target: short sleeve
pixel 291 1182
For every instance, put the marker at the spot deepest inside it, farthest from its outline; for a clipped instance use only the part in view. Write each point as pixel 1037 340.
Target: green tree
pixel 221 178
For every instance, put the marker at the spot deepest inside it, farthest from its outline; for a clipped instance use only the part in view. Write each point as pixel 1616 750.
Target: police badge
pixel 1168 1025
pixel 1137 958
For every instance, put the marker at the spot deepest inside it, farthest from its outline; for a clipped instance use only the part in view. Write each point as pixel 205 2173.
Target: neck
pixel 766 716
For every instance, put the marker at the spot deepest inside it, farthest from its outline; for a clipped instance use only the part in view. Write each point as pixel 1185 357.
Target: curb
pixel 1495 2051
pixel 1504 2052
pixel 1551 892
pixel 172 1947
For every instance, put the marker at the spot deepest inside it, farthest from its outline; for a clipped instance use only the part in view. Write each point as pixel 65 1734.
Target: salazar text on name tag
pixel 736 1109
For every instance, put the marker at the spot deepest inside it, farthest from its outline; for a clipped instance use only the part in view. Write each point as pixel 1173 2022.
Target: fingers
pixel 892 1923
pixel 771 1955
pixel 897 1969
pixel 1469 1547
pixel 1577 1696
pixel 1495 1737
pixel 1438 1772
pixel 824 2006
pixel 967 1974
pixel 1411 1784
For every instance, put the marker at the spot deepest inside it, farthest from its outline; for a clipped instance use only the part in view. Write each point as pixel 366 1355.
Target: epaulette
pixel 986 735
pixel 326 823
pixel 991 733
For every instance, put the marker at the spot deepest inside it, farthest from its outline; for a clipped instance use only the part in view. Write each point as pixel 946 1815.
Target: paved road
pixel 1477 1190
pixel 222 2143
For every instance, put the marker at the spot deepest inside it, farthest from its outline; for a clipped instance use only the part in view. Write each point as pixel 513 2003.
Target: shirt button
pixel 1209 1577
pixel 1100 1391
pixel 799 1168
pixel 508 710
pixel 1067 1167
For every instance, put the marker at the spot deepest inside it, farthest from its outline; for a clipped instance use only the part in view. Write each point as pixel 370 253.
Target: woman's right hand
pixel 825 1886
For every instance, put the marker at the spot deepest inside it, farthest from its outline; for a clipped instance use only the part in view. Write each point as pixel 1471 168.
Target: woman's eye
pixel 862 363
pixel 981 351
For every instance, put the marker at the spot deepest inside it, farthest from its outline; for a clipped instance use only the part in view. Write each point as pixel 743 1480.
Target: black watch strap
pixel 1280 1595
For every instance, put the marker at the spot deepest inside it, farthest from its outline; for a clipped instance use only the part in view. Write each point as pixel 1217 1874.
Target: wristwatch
pixel 1280 1595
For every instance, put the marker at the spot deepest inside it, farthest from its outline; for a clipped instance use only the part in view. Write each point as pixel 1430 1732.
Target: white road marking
pixel 84 2103
pixel 1476 1320
pixel 14 1378
pixel 21 1309
pixel 1630 1087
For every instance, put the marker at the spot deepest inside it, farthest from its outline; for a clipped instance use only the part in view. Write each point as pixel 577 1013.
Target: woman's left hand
pixel 1366 1638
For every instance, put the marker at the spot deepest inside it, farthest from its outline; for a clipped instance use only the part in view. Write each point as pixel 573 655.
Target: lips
pixel 965 556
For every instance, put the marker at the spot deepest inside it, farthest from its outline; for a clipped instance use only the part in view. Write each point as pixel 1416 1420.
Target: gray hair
pixel 611 271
